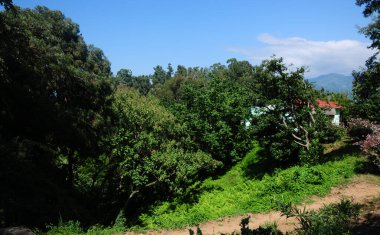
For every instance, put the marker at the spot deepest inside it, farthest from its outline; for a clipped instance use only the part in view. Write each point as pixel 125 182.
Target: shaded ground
pixel 362 189
pixel 369 221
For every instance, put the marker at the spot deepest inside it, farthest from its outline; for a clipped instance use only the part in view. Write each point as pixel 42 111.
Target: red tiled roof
pixel 328 104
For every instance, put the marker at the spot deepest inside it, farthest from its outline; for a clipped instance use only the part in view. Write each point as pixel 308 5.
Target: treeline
pixel 78 143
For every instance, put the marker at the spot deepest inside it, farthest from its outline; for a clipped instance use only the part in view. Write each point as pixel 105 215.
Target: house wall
pixel 336 119
pixel 332 112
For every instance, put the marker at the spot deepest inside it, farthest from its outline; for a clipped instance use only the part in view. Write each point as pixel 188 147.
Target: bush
pixel 64 228
pixel 314 154
pixel 74 227
pixel 369 144
pixel 267 229
pixel 333 219
pixel 358 131
pixel 332 134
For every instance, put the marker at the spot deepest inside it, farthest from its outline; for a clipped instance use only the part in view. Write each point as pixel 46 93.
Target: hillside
pixel 362 189
pixel 333 82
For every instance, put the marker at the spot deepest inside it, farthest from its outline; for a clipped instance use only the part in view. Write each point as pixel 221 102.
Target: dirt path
pixel 361 190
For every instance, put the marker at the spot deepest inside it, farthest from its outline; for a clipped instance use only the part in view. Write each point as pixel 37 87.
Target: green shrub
pixel 100 230
pixel 332 219
pixel 359 132
pixel 332 134
pixel 267 229
pixel 313 155
pixel 74 227
pixel 64 228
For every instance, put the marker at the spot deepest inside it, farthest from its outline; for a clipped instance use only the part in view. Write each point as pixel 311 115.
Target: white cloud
pixel 320 57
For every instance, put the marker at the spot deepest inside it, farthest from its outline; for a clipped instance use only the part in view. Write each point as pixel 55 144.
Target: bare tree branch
pixel 304 145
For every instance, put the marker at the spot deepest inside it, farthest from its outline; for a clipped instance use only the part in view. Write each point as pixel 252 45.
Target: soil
pixel 361 190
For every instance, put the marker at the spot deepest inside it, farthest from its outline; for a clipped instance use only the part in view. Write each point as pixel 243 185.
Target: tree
pixel 213 107
pixel 54 103
pixel 170 71
pixel 126 76
pixel 240 69
pixel 160 75
pixel 170 91
pixel 140 83
pixel 366 85
pixel 8 4
pixel 97 62
pixel 146 153
pixel 46 66
pixel 371 9
pixel 181 71
pixel 286 119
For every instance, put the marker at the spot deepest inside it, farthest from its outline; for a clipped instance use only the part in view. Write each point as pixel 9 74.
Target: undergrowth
pixel 236 193
pixel 334 219
pixel 74 227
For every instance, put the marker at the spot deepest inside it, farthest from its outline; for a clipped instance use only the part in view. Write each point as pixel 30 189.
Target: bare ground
pixel 362 189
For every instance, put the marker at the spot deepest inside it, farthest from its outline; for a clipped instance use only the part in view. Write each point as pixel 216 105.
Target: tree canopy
pixel 79 143
pixel 366 85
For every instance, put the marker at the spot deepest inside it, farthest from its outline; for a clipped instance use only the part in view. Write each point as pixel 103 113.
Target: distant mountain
pixel 333 82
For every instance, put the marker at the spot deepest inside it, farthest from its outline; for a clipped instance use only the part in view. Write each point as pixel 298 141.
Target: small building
pixel 332 109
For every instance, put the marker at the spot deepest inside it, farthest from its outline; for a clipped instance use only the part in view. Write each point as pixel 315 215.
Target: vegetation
pixel 367 136
pixel 267 229
pixel 236 193
pixel 288 123
pixel 339 218
pixel 71 227
pixel 164 150
pixel 366 85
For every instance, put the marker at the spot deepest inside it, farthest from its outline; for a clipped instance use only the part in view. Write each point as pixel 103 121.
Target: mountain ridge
pixel 333 82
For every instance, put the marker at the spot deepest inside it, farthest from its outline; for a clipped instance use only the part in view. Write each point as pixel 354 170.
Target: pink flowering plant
pixel 367 136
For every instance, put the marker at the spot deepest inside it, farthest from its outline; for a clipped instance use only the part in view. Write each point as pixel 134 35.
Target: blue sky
pixel 140 34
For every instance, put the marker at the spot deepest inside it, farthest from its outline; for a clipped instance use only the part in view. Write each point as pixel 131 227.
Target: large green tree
pixel 54 99
pixel 213 106
pixel 8 4
pixel 147 153
pixel 142 83
pixel 366 85
pixel 160 75
pixel 287 121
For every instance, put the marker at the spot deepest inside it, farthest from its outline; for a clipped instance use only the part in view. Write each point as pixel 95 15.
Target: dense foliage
pixel 338 218
pixel 288 122
pixel 367 135
pixel 80 144
pixel 366 89
pixel 366 86
pixel 54 101
pixel 212 105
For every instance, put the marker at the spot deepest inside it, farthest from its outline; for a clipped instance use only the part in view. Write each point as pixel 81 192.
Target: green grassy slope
pixel 235 193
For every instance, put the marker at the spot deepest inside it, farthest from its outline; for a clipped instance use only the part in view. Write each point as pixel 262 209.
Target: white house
pixel 332 109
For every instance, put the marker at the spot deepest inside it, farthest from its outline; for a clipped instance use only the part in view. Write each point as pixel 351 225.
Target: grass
pixel 74 227
pixel 235 193
pixel 328 148
pixel 366 178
